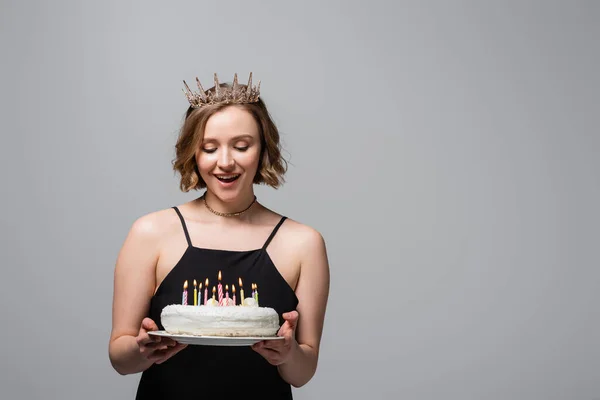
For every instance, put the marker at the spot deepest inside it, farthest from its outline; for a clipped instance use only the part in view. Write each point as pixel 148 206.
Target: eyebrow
pixel 237 137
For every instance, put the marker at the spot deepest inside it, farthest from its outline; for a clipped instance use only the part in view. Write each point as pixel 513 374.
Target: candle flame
pixel 214 290
pixel 226 287
pixel 206 282
pixel 195 282
pixel 185 285
pixel 219 275
pixel 233 288
pixel 240 281
pixel 200 285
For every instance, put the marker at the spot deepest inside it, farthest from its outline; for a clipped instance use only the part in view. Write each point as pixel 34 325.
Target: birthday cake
pixel 222 317
pixel 214 320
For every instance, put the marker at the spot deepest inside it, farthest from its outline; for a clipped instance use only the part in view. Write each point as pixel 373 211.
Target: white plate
pixel 214 340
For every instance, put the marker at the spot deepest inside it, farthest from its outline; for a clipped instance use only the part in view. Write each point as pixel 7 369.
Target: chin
pixel 229 194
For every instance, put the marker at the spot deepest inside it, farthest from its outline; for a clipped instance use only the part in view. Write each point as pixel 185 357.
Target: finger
pixel 160 345
pixel 166 341
pixel 143 339
pixel 276 345
pixel 149 325
pixel 291 316
pixel 270 355
pixel 163 355
pixel 291 319
pixel 285 329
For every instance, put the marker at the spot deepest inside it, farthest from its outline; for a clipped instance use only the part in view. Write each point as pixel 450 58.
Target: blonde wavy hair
pixel 271 167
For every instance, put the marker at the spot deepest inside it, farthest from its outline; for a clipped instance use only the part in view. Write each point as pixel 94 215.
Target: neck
pixel 236 205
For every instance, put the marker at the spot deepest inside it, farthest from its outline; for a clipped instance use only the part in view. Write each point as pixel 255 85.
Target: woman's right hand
pixel 155 348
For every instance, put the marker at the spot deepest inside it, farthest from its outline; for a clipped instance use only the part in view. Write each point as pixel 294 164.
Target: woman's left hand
pixel 277 352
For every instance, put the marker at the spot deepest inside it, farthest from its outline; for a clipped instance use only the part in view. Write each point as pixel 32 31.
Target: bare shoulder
pixel 154 225
pixel 302 233
pixel 307 240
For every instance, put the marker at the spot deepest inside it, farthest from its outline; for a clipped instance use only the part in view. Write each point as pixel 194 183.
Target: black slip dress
pixel 216 372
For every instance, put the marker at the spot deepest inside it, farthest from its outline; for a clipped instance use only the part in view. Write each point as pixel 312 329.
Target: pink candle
pixel 220 290
pixel 226 295
pixel 233 290
pixel 206 292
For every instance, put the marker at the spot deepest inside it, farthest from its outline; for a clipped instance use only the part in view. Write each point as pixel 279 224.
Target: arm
pixel 312 291
pixel 130 348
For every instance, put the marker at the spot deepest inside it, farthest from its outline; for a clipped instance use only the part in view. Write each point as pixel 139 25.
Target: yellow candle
pixel 195 293
pixel 241 291
pixel 214 290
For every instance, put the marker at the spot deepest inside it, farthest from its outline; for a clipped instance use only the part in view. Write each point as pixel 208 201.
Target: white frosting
pixel 212 302
pixel 250 302
pixel 220 320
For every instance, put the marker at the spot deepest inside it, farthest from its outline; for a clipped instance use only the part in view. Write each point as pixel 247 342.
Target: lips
pixel 227 178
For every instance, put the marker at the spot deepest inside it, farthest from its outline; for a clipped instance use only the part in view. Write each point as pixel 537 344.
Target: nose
pixel 225 160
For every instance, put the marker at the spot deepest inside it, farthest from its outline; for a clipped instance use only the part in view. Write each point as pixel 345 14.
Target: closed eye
pixel 209 150
pixel 242 148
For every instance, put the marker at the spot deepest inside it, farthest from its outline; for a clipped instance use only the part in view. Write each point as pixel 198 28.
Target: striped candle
pixel 184 298
pixel 220 289
pixel 206 292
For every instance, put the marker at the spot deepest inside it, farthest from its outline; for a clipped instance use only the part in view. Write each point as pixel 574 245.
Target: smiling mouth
pixel 227 178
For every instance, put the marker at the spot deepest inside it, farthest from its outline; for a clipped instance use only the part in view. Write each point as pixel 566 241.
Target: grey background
pixel 447 151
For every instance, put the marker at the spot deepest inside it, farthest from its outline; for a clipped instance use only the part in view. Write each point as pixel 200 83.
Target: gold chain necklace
pixel 233 214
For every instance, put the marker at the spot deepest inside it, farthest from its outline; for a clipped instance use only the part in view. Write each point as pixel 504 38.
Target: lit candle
pixel 199 294
pixel 241 291
pixel 214 292
pixel 195 293
pixel 256 293
pixel 226 295
pixel 184 297
pixel 206 291
pixel 220 287
pixel 233 290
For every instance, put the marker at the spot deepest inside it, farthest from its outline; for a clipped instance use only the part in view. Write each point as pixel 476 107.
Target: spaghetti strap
pixel 187 235
pixel 274 232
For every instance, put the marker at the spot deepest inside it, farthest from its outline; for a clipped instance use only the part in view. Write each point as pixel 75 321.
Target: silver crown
pixel 235 95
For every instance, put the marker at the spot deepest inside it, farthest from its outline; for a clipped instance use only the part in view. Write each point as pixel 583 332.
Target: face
pixel 229 154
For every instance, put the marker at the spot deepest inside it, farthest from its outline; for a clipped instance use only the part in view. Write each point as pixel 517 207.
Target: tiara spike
pixel 190 99
pixel 187 88
pixel 217 91
pixel 201 94
pixel 188 93
pixel 235 89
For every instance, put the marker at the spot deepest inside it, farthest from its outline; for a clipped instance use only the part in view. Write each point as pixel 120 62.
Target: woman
pixel 227 144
